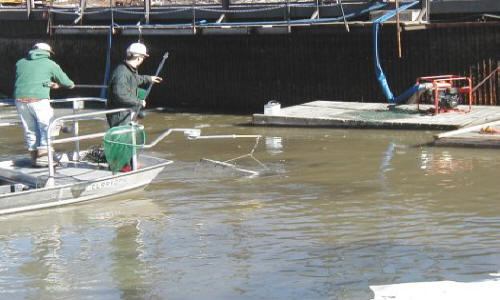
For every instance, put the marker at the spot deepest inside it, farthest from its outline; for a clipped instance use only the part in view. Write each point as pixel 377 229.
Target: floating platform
pixel 376 115
pixel 485 136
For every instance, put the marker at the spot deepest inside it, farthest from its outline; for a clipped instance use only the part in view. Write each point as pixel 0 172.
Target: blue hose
pixel 108 62
pixel 378 69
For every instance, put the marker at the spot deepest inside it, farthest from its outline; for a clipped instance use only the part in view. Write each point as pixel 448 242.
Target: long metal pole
pixel 158 70
pixel 91 86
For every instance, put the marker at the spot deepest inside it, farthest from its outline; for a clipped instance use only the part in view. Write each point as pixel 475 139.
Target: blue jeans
pixel 35 117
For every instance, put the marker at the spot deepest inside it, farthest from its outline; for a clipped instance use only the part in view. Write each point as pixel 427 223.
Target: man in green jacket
pixel 35 76
pixel 125 80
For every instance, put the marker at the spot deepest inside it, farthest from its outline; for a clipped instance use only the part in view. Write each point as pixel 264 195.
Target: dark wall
pixel 241 73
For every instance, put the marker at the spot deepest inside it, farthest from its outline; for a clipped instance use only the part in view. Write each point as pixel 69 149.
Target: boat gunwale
pixel 55 187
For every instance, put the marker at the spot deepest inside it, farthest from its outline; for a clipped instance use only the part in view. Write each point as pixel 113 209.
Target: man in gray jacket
pixel 125 80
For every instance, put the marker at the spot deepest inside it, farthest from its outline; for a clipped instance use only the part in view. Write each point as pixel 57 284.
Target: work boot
pixel 41 152
pixel 42 159
pixel 43 162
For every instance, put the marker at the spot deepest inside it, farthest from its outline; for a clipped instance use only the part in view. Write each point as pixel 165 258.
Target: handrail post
pixel 134 143
pixel 76 155
pixel 50 159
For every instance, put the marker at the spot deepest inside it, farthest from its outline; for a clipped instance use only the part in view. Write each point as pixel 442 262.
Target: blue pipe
pixel 108 62
pixel 378 68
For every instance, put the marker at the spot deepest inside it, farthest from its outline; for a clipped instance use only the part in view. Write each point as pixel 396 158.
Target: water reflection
pixel 274 144
pixel 444 162
pixel 54 245
pixel 45 266
pixel 128 269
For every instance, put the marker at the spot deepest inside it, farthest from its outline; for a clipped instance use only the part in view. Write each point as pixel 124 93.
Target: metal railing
pixel 204 12
pixel 487 91
pixel 78 104
pixel 76 117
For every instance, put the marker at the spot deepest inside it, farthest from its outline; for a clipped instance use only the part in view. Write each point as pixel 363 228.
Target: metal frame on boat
pixel 23 187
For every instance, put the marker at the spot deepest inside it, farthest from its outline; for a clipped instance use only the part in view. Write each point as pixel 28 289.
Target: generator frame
pixel 443 83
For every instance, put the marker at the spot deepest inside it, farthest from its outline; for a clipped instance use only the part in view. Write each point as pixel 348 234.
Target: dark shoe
pixel 33 157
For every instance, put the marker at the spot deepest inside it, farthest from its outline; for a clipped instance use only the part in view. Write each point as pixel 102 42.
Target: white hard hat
pixel 43 46
pixel 137 49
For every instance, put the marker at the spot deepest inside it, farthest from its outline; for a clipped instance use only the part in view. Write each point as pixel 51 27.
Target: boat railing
pixel 78 104
pixel 75 117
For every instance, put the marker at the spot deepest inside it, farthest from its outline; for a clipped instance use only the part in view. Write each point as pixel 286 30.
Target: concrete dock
pixel 376 115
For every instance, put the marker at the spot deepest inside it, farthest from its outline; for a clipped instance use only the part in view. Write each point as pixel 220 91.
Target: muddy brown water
pixel 339 210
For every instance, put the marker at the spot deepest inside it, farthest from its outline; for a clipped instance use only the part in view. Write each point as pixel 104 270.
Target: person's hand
pixel 143 103
pixel 156 79
pixel 54 85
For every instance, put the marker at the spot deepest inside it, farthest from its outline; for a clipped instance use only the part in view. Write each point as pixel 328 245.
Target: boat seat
pixel 13 172
pixel 15 176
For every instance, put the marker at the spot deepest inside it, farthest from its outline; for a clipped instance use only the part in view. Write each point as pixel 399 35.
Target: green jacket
pixel 122 92
pixel 33 74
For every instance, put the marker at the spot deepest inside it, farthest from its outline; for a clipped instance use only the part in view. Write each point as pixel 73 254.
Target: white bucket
pixel 272 108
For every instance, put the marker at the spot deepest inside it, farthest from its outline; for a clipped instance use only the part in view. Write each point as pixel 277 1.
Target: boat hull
pixel 78 192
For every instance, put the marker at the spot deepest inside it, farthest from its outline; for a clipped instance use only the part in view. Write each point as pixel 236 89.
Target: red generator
pixel 446 92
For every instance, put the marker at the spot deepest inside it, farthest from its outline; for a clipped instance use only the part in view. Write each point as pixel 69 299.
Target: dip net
pixel 120 145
